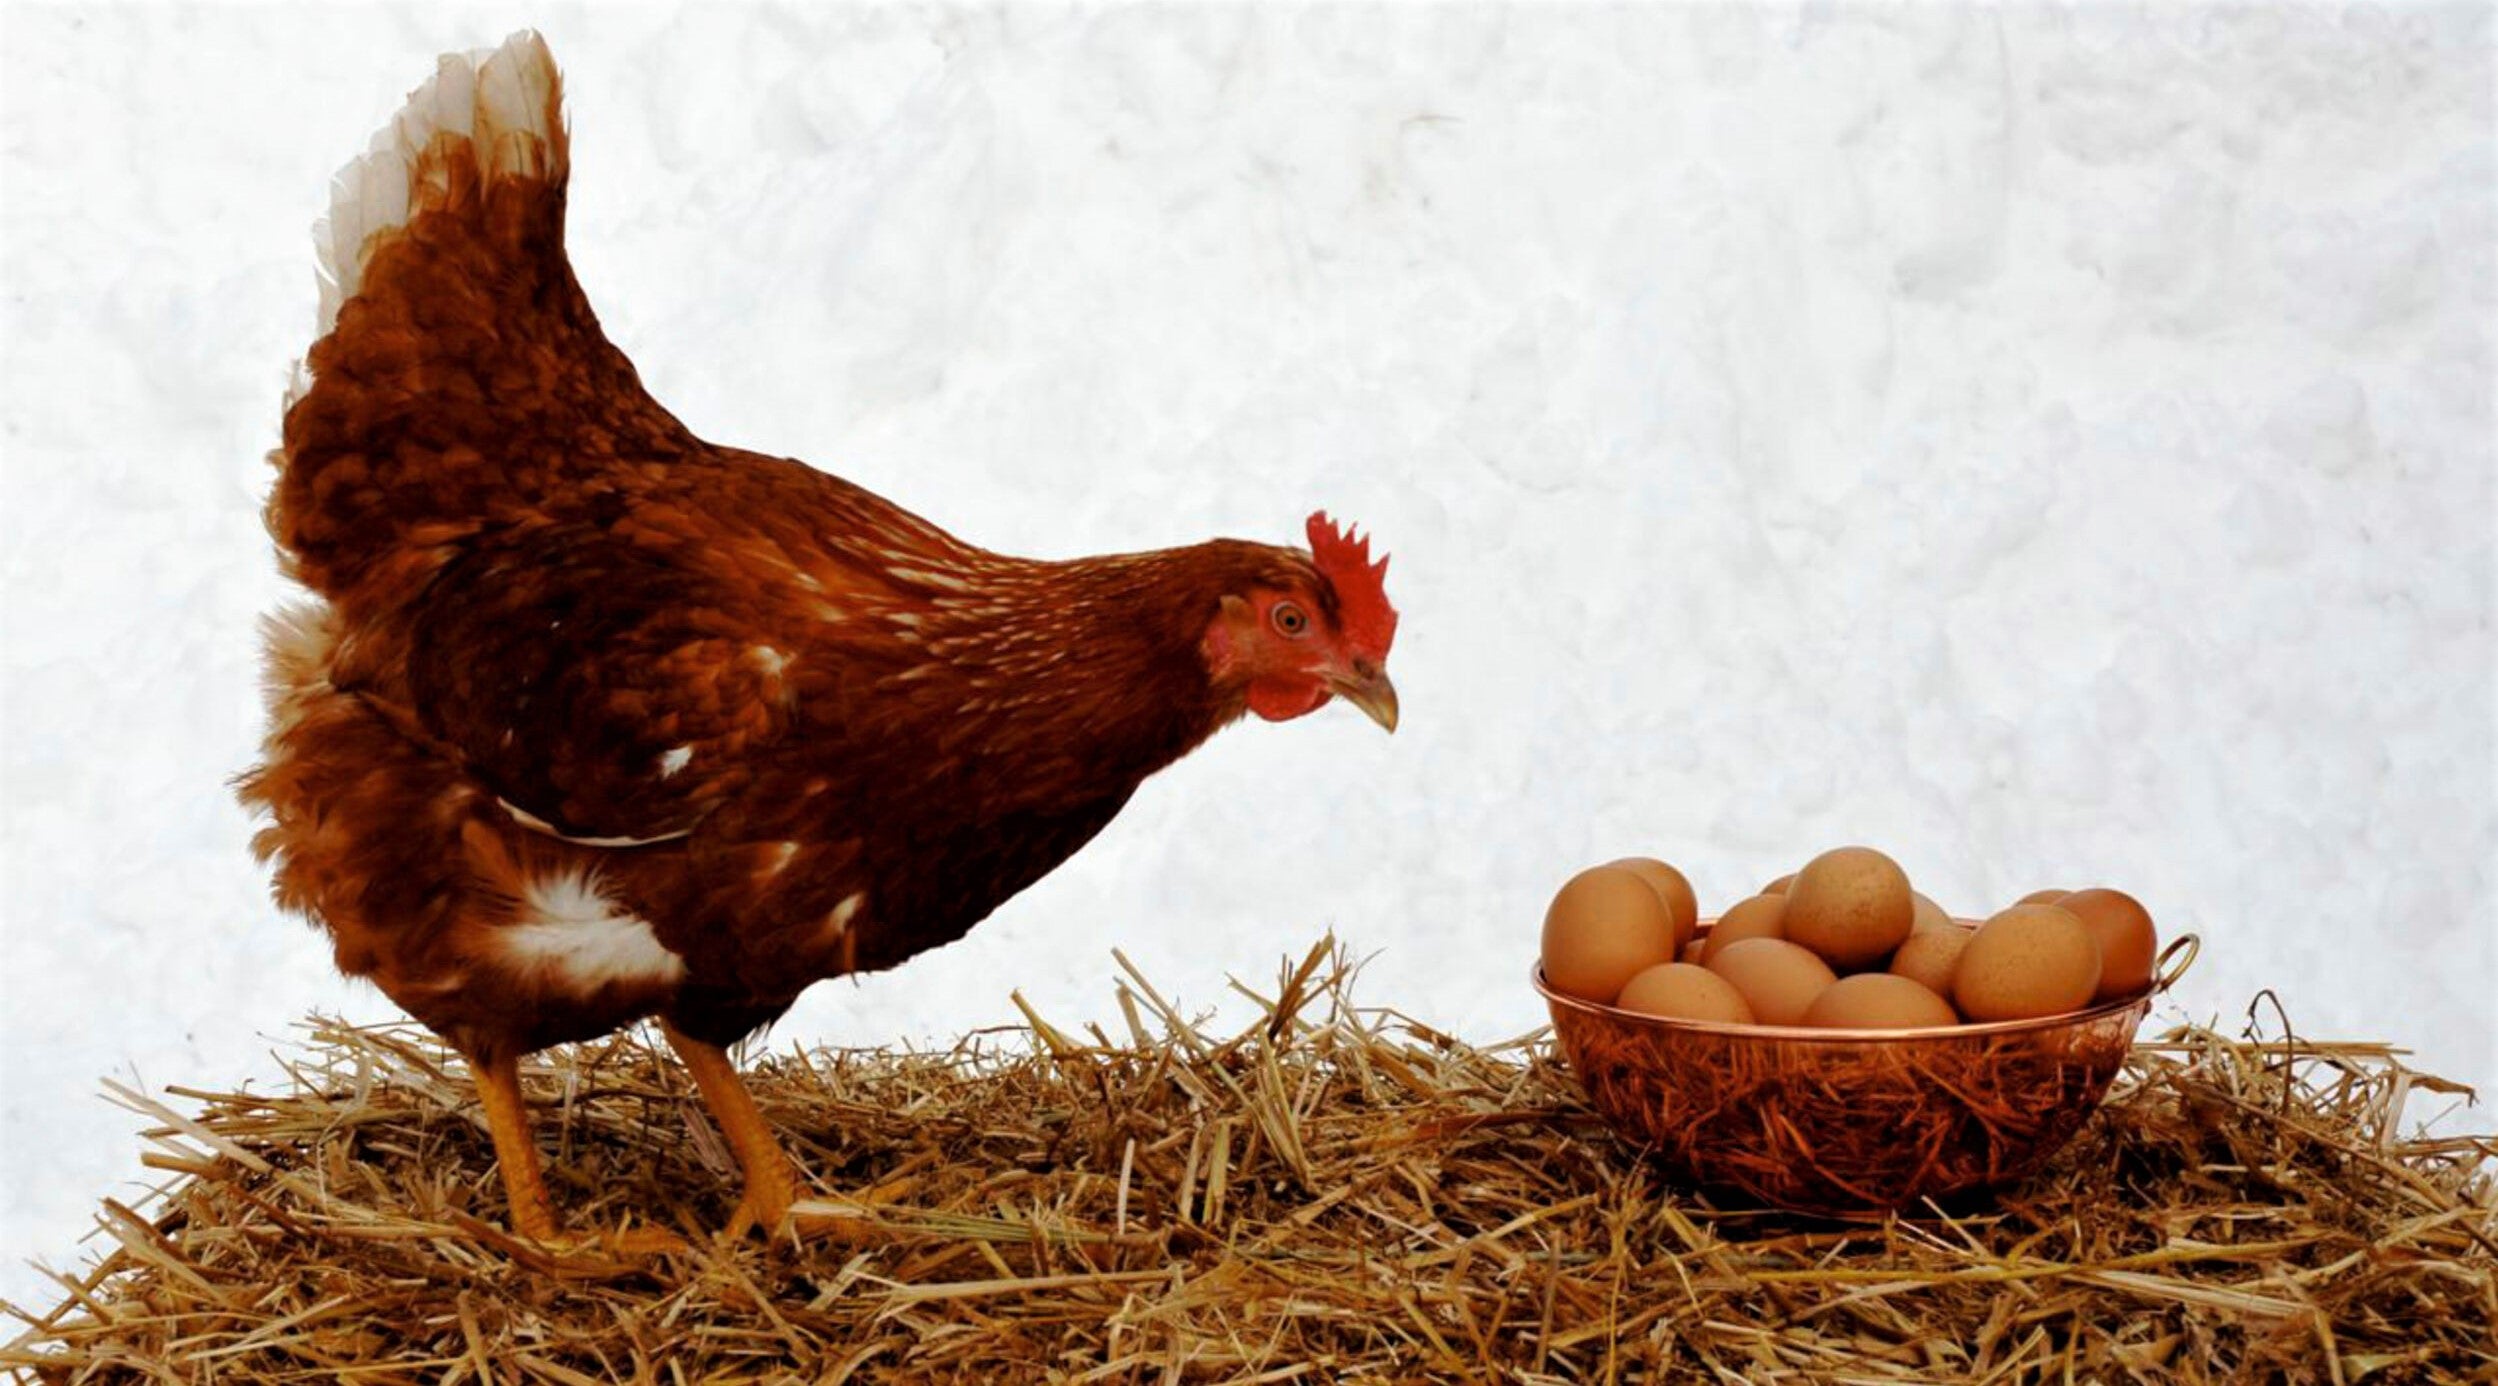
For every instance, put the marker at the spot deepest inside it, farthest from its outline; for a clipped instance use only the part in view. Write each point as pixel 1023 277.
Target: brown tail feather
pixel 461 378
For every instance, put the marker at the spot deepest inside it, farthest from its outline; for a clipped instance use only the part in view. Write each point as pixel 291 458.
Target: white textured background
pixel 2056 448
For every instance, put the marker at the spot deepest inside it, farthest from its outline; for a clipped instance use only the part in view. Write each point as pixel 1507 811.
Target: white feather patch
pixel 837 923
pixel 297 641
pixel 539 825
pixel 926 577
pixel 569 928
pixel 782 854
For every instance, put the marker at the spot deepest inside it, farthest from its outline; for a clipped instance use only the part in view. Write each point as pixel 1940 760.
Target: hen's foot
pixel 575 1255
pixel 770 1191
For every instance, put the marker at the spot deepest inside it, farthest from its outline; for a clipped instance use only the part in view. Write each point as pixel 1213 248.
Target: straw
pixel 1334 1193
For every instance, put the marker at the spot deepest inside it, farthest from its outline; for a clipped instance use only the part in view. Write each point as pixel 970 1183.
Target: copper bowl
pixel 1851 1123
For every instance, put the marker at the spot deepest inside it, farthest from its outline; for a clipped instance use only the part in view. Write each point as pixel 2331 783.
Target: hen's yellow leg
pixel 771 1184
pixel 498 1089
pixel 524 1182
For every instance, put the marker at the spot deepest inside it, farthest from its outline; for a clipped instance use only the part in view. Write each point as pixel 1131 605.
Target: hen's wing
pixel 611 693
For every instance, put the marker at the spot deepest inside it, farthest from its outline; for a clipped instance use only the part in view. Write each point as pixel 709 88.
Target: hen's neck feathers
pixel 1085 669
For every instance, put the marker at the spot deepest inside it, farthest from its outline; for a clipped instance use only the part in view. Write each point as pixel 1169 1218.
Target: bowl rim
pixel 2163 977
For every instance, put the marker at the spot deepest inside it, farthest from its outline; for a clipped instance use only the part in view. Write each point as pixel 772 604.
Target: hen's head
pixel 1297 638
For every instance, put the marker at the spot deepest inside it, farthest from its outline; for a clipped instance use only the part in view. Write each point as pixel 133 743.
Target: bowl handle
pixel 2174 960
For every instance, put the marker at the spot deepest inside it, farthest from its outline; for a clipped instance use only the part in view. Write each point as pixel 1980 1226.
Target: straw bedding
pixel 1334 1194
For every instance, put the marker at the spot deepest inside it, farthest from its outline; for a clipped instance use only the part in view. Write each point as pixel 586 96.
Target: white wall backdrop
pixel 2056 448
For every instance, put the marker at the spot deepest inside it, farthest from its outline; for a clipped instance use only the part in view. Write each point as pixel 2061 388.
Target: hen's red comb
pixel 1361 590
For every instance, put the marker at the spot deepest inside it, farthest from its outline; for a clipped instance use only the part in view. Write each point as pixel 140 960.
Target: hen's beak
pixel 1370 691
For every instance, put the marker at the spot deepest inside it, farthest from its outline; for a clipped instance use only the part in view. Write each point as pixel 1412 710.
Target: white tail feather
pixel 499 100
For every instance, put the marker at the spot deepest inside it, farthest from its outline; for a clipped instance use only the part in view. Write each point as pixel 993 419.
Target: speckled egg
pixel 1878 1001
pixel 1929 914
pixel 2028 961
pixel 1671 886
pixel 1762 916
pixel 1931 957
pixel 1604 926
pixel 1777 978
pixel 1684 992
pixel 2127 942
pixel 1851 905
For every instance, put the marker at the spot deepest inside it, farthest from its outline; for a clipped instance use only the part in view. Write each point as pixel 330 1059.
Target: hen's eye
pixel 1290 619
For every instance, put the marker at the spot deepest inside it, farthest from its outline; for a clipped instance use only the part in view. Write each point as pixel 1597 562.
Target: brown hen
pixel 588 720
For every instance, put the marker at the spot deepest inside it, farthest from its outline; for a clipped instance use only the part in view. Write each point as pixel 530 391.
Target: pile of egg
pixel 1844 943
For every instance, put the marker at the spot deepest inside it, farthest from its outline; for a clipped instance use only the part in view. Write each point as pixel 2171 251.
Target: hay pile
pixel 1335 1194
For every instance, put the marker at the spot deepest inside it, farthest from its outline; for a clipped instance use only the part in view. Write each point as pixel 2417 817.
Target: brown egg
pixel 1691 951
pixel 1878 1001
pixel 1776 977
pixel 2048 896
pixel 1672 887
pixel 1852 905
pixel 2127 942
pixel 1930 956
pixel 1929 914
pixel 1685 992
pixel 1779 886
pixel 2030 960
pixel 1762 916
pixel 1601 930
